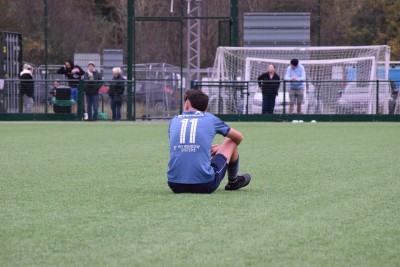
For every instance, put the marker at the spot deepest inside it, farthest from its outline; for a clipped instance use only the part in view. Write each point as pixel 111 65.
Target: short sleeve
pixel 221 127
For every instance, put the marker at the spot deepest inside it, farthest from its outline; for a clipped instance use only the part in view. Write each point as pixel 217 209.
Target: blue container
pixel 351 74
pixel 394 75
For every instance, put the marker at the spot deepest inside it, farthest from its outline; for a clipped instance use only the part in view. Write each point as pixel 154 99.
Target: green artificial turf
pixel 95 194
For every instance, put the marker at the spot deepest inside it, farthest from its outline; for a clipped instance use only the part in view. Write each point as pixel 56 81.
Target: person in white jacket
pixel 26 90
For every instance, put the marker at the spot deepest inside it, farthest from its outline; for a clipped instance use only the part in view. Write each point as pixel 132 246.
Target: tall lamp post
pixel 45 24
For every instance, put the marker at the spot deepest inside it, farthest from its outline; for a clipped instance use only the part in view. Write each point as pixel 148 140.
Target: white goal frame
pixel 229 61
pixel 371 95
pixel 311 62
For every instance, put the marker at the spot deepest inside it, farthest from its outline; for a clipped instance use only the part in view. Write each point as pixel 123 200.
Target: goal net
pixel 329 82
pixel 341 72
pixel 230 61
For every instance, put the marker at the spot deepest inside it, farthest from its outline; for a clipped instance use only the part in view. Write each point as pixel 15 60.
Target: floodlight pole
pixel 193 41
pixel 235 23
pixel 319 23
pixel 45 49
pixel 131 12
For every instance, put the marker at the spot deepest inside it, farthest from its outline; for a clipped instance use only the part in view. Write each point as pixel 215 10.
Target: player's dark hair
pixel 197 98
pixel 294 62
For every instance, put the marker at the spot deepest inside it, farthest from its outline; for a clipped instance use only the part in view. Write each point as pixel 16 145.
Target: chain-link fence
pixel 318 97
pixel 160 99
pixel 152 99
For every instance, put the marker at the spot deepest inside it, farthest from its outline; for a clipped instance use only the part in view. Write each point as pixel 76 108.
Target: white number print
pixel 193 128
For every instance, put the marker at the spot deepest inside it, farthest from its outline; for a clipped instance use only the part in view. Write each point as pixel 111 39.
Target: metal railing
pixel 149 98
pixel 320 97
pixel 161 99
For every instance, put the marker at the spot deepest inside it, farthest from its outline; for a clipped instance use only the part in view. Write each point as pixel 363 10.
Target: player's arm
pixel 235 136
pixel 287 74
pixel 61 70
pixel 81 71
pixel 303 74
pixel 277 82
pixel 260 78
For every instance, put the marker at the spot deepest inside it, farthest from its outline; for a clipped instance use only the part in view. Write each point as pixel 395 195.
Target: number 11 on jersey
pixel 193 128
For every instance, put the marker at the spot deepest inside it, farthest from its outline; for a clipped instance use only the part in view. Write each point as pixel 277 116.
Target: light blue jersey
pixel 190 138
pixel 297 72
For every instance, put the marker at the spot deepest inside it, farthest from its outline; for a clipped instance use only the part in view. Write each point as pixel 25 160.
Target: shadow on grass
pixel 166 191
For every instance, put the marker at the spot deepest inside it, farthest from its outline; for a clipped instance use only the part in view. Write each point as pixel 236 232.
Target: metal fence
pixel 319 97
pixel 161 99
pixel 152 99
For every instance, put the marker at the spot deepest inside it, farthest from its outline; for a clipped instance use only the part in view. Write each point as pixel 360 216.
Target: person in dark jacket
pixel 74 74
pixel 26 90
pixel 92 85
pixel 116 93
pixel 269 83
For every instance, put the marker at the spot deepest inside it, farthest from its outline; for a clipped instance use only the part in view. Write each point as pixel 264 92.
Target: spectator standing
pixel 74 74
pixel 26 89
pixel 116 93
pixel 296 76
pixel 92 85
pixel 269 83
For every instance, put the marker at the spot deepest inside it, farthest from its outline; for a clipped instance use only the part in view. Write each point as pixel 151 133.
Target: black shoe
pixel 242 181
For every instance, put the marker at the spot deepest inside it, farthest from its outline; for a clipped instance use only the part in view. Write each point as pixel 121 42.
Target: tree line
pixel 94 25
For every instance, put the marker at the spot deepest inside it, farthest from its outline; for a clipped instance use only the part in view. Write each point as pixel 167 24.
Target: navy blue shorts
pixel 218 163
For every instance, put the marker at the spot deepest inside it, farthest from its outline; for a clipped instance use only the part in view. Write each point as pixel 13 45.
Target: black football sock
pixel 233 169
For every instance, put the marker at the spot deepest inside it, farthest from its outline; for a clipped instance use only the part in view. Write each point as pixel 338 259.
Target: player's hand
pixel 214 149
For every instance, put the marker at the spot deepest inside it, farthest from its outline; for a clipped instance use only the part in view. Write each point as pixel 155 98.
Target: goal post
pixel 230 61
pixel 327 80
pixel 345 66
pixel 318 70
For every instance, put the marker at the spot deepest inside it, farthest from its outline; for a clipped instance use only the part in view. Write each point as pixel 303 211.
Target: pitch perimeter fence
pixel 150 99
pixel 161 99
pixel 377 97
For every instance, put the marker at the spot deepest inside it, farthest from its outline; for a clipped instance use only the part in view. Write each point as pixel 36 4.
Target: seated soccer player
pixel 195 165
